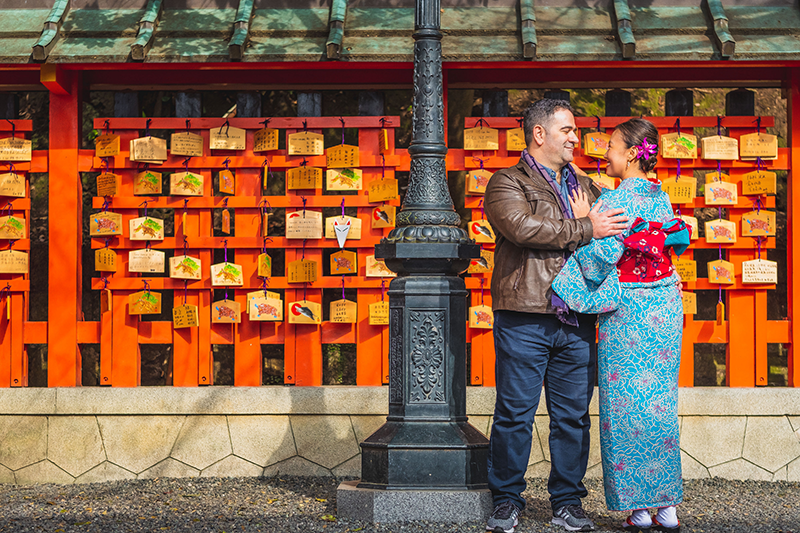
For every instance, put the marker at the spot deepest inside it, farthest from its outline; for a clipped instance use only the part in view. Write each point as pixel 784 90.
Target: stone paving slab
pixel 74 443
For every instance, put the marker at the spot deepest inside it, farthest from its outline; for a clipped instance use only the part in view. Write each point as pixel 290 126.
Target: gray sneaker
pixel 504 518
pixel 572 518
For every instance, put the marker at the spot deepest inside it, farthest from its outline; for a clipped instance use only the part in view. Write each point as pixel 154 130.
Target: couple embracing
pixel 565 257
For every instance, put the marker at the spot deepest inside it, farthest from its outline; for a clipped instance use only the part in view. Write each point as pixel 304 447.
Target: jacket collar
pixel 585 182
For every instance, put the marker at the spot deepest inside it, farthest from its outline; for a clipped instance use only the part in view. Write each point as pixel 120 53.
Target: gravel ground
pixel 309 505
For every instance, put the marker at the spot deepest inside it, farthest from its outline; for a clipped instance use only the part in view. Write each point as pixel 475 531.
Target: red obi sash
pixel 645 258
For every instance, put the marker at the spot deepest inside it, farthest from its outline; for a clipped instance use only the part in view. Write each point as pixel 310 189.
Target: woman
pixel 629 280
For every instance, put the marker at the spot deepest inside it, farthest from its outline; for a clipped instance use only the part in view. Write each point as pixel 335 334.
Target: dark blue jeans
pixel 534 350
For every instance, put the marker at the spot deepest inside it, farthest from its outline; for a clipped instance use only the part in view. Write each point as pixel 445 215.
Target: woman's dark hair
pixel 634 131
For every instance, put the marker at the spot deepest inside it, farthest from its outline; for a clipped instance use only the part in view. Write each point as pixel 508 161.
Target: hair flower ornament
pixel 646 150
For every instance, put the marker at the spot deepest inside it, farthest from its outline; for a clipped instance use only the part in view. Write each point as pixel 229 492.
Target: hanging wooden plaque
pixel 713 177
pixel 186 184
pixel 227 275
pixel 481 231
pixel 379 313
pixel 343 179
pixel 106 145
pixel 13 262
pixel 721 272
pixel 185 316
pixel 148 261
pixel 12 227
pixel 481 139
pixel 226 221
pixel 186 144
pixel 382 190
pixel 691 224
pixel 146 183
pixel 344 262
pixel 227 138
pixel 185 267
pixel 302 271
pixel 305 143
pixel 105 260
pixel 759 271
pixel 678 146
pixel 12 184
pixel 261 308
pixel 105 301
pixel 756 224
pixel 482 264
pixel 264 266
pixel 226 312
pixel 377 268
pixel 754 145
pixel 304 224
pixel 148 150
pixel 719 147
pixel 265 140
pixel 759 182
pixel 146 229
pixel 355 227
pixel 383 141
pixel 144 303
pixel 686 269
pixel 681 191
pixel 595 143
pixel 227 182
pixel 477 180
pixel 384 216
pixel 515 140
pixel 105 223
pixel 721 193
pixel 481 317
pixel 689 303
pixel 603 181
pixel 15 149
pixel 303 178
pixel 720 231
pixel 343 156
pixel 108 184
pixel 343 312
pixel 305 312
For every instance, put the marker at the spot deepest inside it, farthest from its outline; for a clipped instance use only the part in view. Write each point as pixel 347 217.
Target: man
pixel 538 340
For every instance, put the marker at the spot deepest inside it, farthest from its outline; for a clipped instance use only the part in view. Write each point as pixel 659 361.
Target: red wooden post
pixel 793 225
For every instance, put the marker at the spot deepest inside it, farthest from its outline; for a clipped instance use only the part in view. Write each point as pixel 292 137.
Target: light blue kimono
pixel 641 326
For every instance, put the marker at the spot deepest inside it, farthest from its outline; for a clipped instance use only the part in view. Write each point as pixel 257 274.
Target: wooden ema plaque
pixel 384 217
pixel 691 224
pixel 759 182
pixel 721 272
pixel 689 303
pixel 383 141
pixel 343 179
pixel 12 227
pixel 721 193
pixel 106 145
pixel 105 260
pixel 713 177
pixel 144 303
pixel 719 147
pixel 105 300
pixel 755 145
pixel 227 138
pixel 12 184
pixel 146 229
pixel 382 190
pixel 185 316
pixel 482 264
pixel 227 275
pixel 305 312
pixel 302 271
pixel 146 261
pixel 681 191
pixel 15 149
pixel 264 266
pixel 305 224
pixel 186 184
pixel 595 144
pixel 105 223
pixel 515 140
pixel 303 178
pixel 481 139
pixel 603 181
pixel 305 143
pixel 355 227
pixel 226 221
pixel 227 182
pixel 720 231
pixel 678 146
pixel 758 224
pixel 146 183
pixel 13 262
pixel 343 156
pixel 481 317
pixel 481 231
pixel 379 313
pixel 264 308
pixel 344 312
pixel 760 271
pixel 184 267
pixel 477 180
pixel 148 150
pixel 226 312
pixel 265 140
pixel 344 262
pixel 186 144
pixel 377 268
pixel 686 269
pixel 108 184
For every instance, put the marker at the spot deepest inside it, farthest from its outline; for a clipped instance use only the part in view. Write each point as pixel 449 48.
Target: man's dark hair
pixel 636 130
pixel 541 112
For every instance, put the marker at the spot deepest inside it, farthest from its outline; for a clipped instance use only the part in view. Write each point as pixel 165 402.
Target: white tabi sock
pixel 667 516
pixel 641 518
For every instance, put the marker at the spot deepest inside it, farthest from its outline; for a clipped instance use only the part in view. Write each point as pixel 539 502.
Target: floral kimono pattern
pixel 641 326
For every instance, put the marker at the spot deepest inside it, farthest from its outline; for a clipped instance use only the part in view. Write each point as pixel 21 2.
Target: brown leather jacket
pixel 531 237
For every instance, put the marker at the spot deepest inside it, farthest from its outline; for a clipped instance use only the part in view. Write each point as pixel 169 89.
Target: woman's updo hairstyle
pixel 634 132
